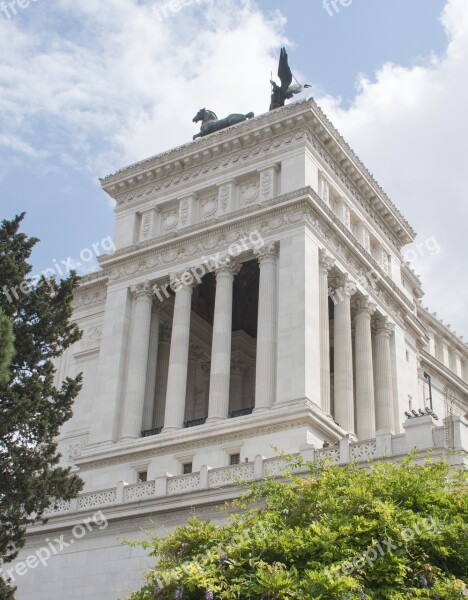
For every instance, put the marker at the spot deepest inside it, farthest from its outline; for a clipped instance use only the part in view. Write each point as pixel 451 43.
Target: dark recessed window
pixel 142 476
pixel 235 459
pixel 187 468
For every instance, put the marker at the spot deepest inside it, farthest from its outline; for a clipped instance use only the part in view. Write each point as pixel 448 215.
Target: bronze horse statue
pixel 211 123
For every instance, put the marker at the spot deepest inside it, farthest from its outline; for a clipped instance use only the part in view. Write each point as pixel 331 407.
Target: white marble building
pixel 257 301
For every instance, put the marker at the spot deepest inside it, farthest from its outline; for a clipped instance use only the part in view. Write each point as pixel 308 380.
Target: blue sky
pixel 87 87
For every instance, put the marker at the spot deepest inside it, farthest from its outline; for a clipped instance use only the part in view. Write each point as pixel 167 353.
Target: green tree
pixel 7 349
pixel 32 408
pixel 390 531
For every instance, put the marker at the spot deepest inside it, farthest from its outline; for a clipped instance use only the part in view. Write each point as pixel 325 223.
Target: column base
pixel 171 429
pixel 261 409
pixel 129 438
pixel 215 419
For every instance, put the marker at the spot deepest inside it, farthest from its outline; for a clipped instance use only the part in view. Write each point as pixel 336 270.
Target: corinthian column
pixel 221 344
pixel 365 409
pixel 383 329
pixel 344 400
pixel 266 329
pixel 178 358
pixel 132 417
pixel 326 263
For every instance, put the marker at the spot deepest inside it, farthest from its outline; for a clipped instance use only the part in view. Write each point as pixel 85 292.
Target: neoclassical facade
pixel 257 302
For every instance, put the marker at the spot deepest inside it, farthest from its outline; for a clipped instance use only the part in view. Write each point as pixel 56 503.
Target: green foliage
pixel 7 349
pixel 390 531
pixel 32 407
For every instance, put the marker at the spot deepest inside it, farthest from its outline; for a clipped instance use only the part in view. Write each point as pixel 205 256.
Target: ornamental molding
pixel 300 209
pixel 263 126
pixel 206 244
pixel 202 442
pixel 205 172
pixel 89 296
pixel 250 192
pixel 351 188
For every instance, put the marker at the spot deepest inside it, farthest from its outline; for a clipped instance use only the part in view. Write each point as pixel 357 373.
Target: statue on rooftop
pixel 211 123
pixel 287 89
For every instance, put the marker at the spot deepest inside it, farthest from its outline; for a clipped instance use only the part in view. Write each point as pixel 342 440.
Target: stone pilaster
pixel 132 416
pixel 178 358
pixel 221 345
pixel 344 396
pixel 266 329
pixel 226 197
pixel 326 263
pixel 383 329
pixel 162 369
pixel 365 408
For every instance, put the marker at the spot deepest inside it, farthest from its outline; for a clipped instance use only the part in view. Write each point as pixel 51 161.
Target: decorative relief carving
pixel 139 491
pixel 230 475
pixel 249 193
pixel 91 337
pixel 208 207
pixel 86 299
pixel 251 155
pixel 169 220
pixel 363 451
pixel 147 220
pixel 96 499
pixel 325 191
pixel 185 211
pixel 184 483
pixel 226 197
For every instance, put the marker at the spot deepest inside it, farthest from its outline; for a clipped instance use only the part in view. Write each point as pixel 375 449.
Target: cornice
pixel 278 216
pixel 447 376
pixel 186 153
pixel 235 429
pixel 161 171
pixel 443 330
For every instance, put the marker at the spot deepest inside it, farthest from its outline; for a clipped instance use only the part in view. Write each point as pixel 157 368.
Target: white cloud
pixel 409 127
pixel 100 84
pixel 113 75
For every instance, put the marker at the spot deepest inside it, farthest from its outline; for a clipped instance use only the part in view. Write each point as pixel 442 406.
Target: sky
pixel 89 86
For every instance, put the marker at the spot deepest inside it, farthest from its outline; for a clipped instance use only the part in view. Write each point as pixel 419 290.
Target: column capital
pixel 383 326
pixel 230 268
pixel 268 252
pixel 326 261
pixel 142 291
pixel 344 284
pixel 364 305
pixel 182 280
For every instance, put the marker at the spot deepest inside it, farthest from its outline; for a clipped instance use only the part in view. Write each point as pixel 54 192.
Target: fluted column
pixel 152 366
pixel 178 358
pixel 365 407
pixel 383 329
pixel 132 416
pixel 344 397
pixel 266 329
pixel 221 344
pixel 326 263
pixel 162 370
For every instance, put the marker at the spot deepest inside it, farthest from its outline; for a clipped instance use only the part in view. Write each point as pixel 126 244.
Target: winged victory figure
pixel 287 89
